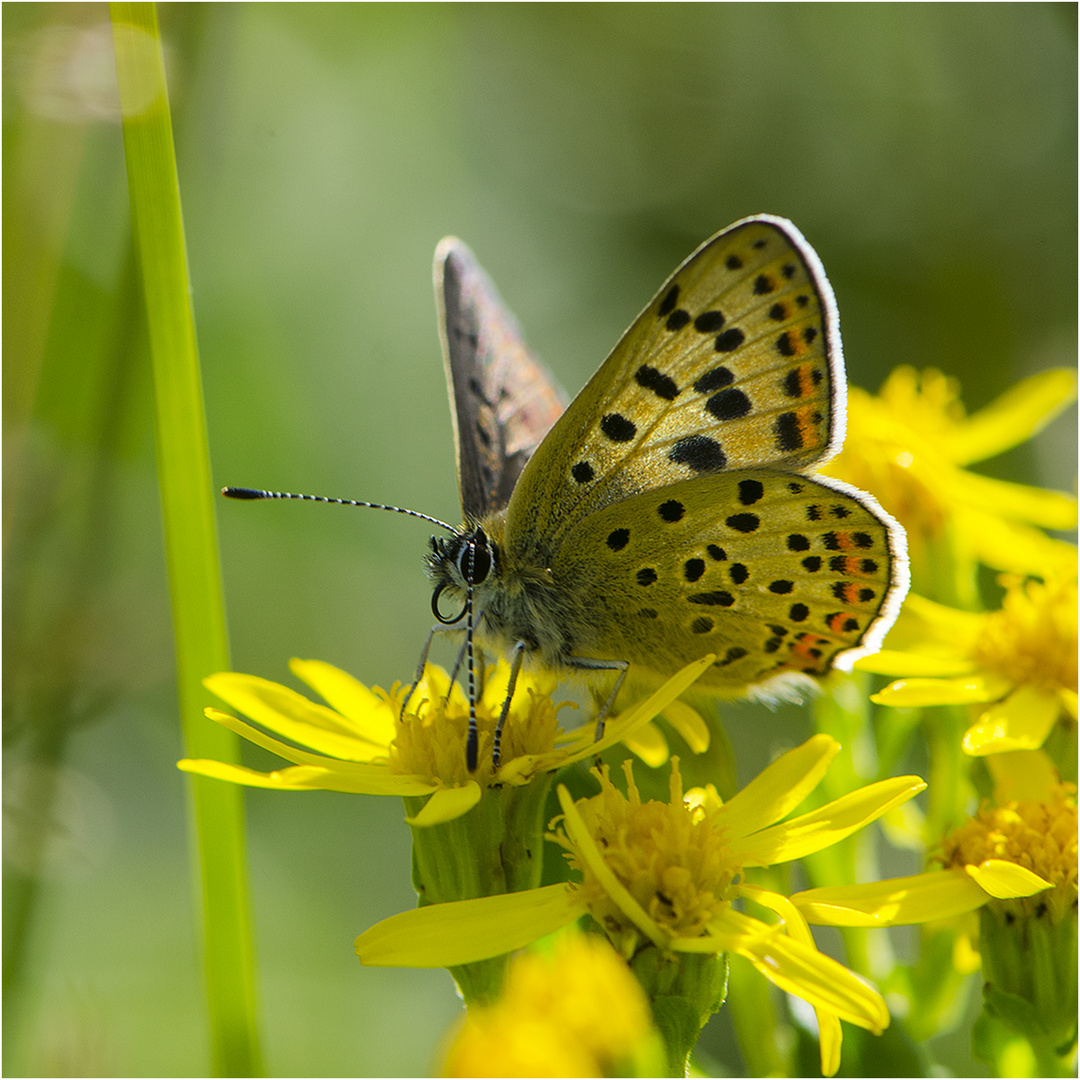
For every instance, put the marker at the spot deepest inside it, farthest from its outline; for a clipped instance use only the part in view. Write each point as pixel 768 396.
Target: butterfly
pixel 672 509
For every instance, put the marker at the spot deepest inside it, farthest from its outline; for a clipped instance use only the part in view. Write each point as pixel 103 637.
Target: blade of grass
pixel 190 532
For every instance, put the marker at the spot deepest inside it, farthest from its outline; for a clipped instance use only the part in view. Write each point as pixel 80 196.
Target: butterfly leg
pixel 438 629
pixel 420 668
pixel 518 655
pixel 587 663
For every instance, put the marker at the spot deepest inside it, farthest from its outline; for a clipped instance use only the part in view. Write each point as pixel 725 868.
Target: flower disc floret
pixel 1032 639
pixel 431 733
pixel 1039 835
pixel 670 856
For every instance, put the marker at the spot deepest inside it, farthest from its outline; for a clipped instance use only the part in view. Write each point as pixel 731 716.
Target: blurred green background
pixel 928 152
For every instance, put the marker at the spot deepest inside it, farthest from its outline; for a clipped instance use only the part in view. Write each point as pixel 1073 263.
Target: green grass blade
pixel 190 531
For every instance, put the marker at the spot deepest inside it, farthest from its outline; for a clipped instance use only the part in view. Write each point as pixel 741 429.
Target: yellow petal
pixel 894 662
pixel 370 713
pixel 939 894
pixel 1012 545
pixel 294 778
pixel 801 970
pixel 374 779
pixel 962 690
pixel 586 850
pixel 687 721
pixel 1022 776
pixel 280 709
pixel 830 1037
pixel 924 618
pixel 447 804
pixel 464 931
pixel 827 825
pixel 370 780
pixel 1003 880
pixel 1020 722
pixel 1037 506
pixel 781 786
pixel 636 717
pixel 1022 411
pixel 649 744
pixel 830 1040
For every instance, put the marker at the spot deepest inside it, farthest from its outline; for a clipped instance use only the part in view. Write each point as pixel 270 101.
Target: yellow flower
pixel 911 443
pixel 1039 835
pixel 1016 863
pixel 981 861
pixel 363 743
pixel 1017 665
pixel 665 876
pixel 573 1011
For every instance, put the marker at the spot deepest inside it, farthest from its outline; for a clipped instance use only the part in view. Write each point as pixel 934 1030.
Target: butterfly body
pixel 672 510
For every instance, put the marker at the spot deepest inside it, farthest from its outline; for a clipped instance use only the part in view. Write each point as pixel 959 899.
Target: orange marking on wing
pixel 807 651
pixel 808 419
pixel 848 593
pixel 837 623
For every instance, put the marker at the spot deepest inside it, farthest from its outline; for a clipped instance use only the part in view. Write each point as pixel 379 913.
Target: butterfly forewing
pixel 504 401
pixel 736 362
pixel 774 573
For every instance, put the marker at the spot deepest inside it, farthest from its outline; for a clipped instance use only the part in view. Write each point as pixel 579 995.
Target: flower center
pixel 671 857
pixel 432 731
pixel 1032 639
pixel 1040 835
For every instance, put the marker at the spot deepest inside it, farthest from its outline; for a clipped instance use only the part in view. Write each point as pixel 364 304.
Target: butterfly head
pixel 459 563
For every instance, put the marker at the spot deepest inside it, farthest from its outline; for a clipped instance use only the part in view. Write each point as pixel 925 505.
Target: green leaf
pixel 190 532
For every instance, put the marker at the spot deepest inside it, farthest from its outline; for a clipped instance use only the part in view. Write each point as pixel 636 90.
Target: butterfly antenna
pixel 258 493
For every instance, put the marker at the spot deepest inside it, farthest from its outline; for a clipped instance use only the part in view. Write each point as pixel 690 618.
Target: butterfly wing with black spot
pixel 772 572
pixel 504 399
pixel 735 363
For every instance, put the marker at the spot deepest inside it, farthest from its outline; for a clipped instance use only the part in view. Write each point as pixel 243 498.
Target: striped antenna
pixel 258 493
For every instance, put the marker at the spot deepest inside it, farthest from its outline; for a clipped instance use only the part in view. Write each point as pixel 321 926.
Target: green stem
pixel 190 532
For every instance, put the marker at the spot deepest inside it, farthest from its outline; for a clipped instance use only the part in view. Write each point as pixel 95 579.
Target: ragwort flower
pixel 910 445
pixel 661 880
pixel 1017 667
pixel 1015 862
pixel 368 741
pixel 573 1010
pixel 475 834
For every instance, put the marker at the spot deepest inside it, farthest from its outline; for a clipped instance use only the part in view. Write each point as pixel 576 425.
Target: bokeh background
pixel 928 152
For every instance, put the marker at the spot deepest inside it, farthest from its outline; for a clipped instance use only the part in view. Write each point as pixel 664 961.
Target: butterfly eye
pixel 475 558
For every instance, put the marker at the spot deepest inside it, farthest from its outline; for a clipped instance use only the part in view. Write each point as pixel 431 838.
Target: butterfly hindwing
pixel 735 362
pixel 504 401
pixel 774 573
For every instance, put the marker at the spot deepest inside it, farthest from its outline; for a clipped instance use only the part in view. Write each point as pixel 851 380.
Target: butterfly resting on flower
pixel 672 510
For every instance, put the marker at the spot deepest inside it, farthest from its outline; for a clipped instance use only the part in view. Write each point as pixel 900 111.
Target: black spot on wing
pixel 729 404
pixel 617 428
pixel 667 305
pixel 663 386
pixel 698 452
pixel 716 379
